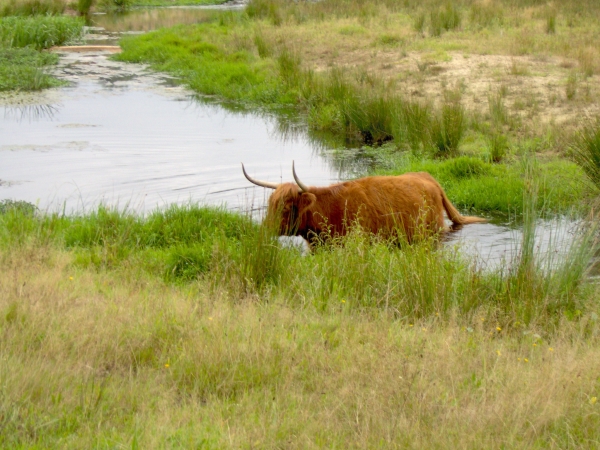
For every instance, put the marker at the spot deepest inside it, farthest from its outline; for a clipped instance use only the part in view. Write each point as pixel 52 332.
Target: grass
pixel 154 3
pixel 32 7
pixel 255 343
pixel 585 151
pixel 24 69
pixel 39 32
pixel 22 65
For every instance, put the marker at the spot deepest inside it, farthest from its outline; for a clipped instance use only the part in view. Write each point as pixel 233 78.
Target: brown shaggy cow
pixel 412 204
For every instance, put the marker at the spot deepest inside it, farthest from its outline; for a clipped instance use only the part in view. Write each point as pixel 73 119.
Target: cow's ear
pixel 306 201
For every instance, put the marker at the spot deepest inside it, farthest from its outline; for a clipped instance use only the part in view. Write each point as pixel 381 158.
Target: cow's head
pixel 288 205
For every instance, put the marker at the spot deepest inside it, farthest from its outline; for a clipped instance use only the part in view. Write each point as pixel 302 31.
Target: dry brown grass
pixel 512 48
pixel 115 358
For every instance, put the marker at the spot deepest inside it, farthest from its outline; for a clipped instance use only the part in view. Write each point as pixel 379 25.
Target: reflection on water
pixel 123 135
pixel 498 244
pixel 29 113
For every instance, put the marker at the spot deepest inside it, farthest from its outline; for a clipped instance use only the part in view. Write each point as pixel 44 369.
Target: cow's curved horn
pixel 258 182
pixel 301 185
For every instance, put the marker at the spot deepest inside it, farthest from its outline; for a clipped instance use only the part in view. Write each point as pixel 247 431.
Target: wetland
pixel 143 303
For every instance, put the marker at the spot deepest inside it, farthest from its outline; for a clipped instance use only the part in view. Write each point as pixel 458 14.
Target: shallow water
pixel 497 244
pixel 122 135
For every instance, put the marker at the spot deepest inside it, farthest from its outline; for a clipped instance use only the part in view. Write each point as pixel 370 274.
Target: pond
pixel 124 136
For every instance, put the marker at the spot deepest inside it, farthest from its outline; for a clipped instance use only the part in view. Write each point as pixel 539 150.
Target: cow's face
pixel 288 209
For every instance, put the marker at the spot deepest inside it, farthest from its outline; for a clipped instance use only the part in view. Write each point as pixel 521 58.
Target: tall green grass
pixel 22 65
pixel 585 151
pixel 444 18
pixel 32 7
pixel 39 32
pixel 233 255
pixel 24 69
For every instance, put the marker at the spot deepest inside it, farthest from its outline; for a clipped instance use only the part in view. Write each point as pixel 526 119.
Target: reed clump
pixel 585 151
pixel 39 32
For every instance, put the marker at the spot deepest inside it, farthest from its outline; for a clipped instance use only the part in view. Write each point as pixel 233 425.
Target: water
pixel 497 244
pixel 121 135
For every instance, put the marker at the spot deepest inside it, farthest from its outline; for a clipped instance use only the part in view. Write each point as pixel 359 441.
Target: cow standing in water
pixel 411 205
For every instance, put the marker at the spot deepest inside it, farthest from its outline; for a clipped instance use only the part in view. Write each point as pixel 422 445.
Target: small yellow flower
pixel 424 329
pixel 71 278
pixel 483 319
pixel 593 400
pixel 498 352
pixel 498 329
pixel 410 325
pixel 167 365
pixel 343 301
pixel 535 345
pixel 210 318
pixel 526 360
pixel 550 349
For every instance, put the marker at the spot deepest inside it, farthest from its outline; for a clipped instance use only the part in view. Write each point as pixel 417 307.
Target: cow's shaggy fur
pixel 406 206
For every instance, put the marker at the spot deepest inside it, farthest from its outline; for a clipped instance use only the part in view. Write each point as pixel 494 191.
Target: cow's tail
pixel 455 216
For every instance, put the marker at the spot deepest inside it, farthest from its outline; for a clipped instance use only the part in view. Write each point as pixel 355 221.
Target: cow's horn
pixel 301 185
pixel 259 183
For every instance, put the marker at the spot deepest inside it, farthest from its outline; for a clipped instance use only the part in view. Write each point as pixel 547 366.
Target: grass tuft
pixel 39 32
pixel 24 69
pixel 585 151
pixel 444 18
pixel 447 129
